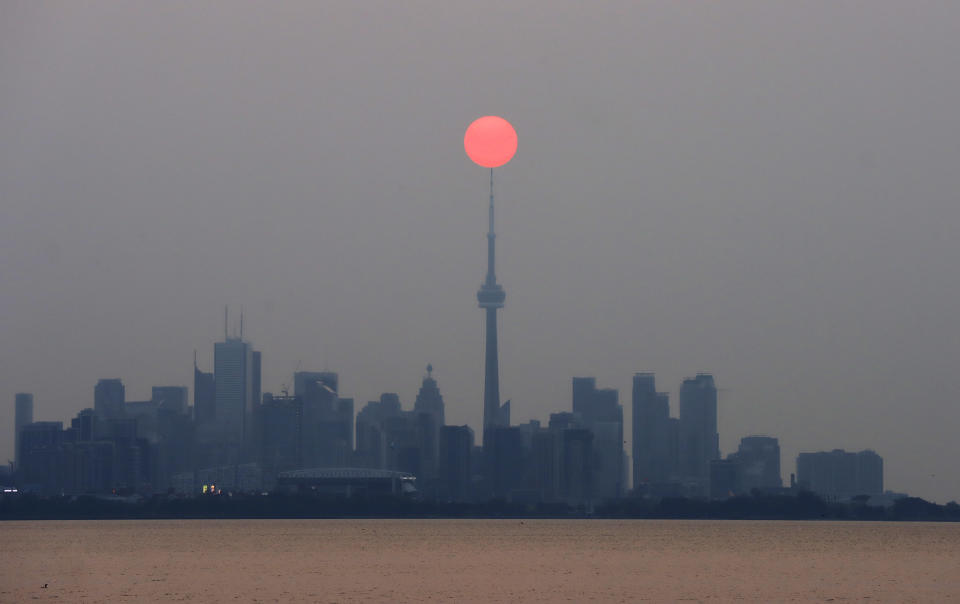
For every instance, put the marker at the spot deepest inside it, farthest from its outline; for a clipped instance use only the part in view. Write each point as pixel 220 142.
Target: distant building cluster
pixel 235 438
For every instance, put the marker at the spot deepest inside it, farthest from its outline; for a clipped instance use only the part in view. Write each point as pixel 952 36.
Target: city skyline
pixel 678 207
pixel 235 436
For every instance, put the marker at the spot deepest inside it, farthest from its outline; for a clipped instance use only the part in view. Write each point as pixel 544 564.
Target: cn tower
pixel 490 298
pixel 491 142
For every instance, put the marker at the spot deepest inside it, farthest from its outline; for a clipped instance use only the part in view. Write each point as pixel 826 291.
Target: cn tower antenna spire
pixel 491 242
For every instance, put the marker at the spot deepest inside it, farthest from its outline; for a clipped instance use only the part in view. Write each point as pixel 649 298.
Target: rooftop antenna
pixel 241 321
pixel 194 358
pixel 225 335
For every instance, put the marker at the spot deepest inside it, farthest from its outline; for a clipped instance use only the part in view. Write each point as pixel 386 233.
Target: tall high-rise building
pixel 255 362
pixel 602 414
pixel 699 439
pixel 109 397
pixel 327 424
pixel 40 456
pixel 429 400
pixel 371 434
pixel 204 395
pixel 430 408
pixel 654 453
pixel 279 425
pixel 22 415
pixel 301 379
pixel 84 425
pixel 576 474
pixel 490 298
pixel 503 461
pixel 455 471
pixel 234 381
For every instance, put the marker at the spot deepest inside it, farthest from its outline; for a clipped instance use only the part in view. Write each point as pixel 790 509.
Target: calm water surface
pixel 477 560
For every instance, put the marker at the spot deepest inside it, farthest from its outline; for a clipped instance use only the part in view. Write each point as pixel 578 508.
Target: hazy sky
pixel 764 190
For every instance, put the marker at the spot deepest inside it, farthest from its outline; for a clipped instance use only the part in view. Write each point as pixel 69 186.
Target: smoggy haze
pixel 764 190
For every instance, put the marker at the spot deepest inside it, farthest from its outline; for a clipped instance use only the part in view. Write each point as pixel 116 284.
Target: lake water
pixel 477 560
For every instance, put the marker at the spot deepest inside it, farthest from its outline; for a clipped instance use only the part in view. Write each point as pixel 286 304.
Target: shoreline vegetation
pixel 803 506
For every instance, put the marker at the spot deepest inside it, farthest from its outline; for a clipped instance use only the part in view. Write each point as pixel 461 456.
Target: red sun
pixel 490 141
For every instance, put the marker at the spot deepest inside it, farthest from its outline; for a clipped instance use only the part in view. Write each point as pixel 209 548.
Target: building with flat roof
pixel 759 459
pixel 840 474
pixel 22 415
pixel 699 438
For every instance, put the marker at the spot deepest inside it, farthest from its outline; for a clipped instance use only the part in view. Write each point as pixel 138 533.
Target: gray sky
pixel 763 190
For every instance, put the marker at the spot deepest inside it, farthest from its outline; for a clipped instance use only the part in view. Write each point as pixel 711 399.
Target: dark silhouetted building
pixel 699 439
pixel 171 398
pixel 724 478
pixel 326 436
pixel 393 439
pixel 759 459
pixel 204 397
pixel 22 415
pixel 40 445
pixel 545 462
pixel 455 472
pixel 601 413
pixel 654 434
pixel 576 472
pixel 234 399
pixel 176 441
pixel 409 439
pixel 429 405
pixel 839 474
pixel 279 421
pixel 869 473
pixel 84 426
pixel 87 465
pixel 109 398
pixel 301 379
pixel 371 439
pixel 503 461
pixel 429 400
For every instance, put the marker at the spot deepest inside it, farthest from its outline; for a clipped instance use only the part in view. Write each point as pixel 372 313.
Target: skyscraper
pixel 204 397
pixel 109 397
pixel 301 380
pixel 654 460
pixel 233 395
pixel 490 298
pixel 23 415
pixel 327 424
pixel 40 456
pixel 699 440
pixel 430 409
pixel 429 399
pixel 371 435
pixel 602 414
pixel 455 471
